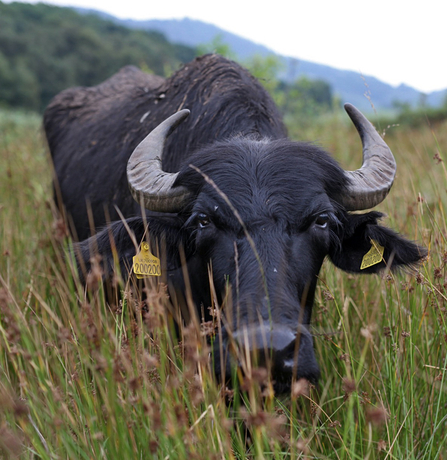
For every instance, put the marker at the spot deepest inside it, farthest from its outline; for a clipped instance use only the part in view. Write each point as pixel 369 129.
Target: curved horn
pixel 148 182
pixel 369 185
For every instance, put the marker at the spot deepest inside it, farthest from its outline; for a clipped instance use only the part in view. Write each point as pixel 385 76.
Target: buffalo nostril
pixel 286 352
pixel 265 337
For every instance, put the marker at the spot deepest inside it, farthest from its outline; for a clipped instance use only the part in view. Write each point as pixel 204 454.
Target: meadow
pixel 81 378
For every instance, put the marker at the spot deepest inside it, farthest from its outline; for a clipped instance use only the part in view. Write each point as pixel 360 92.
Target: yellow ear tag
pixel 146 264
pixel 373 256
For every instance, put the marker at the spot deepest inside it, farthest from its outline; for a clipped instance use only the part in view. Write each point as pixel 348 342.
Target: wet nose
pixel 288 352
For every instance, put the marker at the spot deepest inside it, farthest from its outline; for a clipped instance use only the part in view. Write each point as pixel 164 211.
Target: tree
pixel 45 49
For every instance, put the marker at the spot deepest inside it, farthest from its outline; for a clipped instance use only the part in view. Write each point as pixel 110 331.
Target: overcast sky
pixel 397 41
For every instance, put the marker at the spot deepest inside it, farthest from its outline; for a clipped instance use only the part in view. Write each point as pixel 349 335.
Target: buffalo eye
pixel 203 220
pixel 322 220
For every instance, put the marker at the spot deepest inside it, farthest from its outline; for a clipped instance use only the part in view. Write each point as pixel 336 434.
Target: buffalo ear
pixel 356 238
pixel 166 232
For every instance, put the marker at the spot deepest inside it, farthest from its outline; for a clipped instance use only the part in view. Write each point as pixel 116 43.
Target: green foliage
pixel 304 101
pixel 83 378
pixel 216 46
pixel 301 102
pixel 406 115
pixel 266 70
pixel 45 49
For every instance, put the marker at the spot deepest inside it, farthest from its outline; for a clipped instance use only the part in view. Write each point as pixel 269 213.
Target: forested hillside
pixel 348 85
pixel 45 49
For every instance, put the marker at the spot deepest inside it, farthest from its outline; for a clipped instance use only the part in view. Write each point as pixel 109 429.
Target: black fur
pixel 264 213
pixel 91 132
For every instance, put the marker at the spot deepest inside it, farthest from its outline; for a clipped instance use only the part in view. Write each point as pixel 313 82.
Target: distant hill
pixel 348 85
pixel 194 33
pixel 45 49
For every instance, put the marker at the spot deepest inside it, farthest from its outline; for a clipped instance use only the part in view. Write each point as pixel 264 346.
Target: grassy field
pixel 82 379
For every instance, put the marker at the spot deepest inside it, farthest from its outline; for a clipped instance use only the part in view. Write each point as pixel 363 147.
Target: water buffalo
pixel 224 192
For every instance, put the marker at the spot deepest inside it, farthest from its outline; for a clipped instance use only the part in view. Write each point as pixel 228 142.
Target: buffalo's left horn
pixel 148 182
pixel 369 185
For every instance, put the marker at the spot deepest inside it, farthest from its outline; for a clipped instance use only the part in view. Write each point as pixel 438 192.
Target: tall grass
pixel 83 378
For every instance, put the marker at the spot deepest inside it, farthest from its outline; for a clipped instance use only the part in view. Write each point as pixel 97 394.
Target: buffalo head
pixel 260 215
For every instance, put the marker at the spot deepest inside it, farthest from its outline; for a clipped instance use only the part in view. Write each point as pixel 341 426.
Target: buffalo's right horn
pixel 148 182
pixel 369 185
